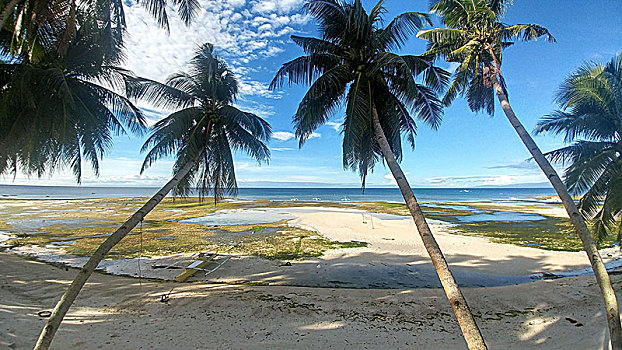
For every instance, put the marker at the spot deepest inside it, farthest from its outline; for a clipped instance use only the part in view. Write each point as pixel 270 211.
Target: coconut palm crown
pixel 352 63
pixel 207 128
pixel 474 38
pixel 63 110
pixel 590 119
pixel 29 24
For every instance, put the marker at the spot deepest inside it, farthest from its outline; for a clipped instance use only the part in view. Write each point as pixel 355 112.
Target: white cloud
pixel 283 135
pixel 335 126
pixel 241 35
pixel 280 6
pixel 281 149
pixel 390 180
pixel 261 109
pixel 487 180
pixel 286 135
pixel 120 171
pixel 255 88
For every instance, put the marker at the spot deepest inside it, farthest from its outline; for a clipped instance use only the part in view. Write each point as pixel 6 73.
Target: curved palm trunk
pixel 600 272
pixel 470 331
pixel 53 323
pixel 7 11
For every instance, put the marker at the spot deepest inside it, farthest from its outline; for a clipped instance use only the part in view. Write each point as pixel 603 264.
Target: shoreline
pixel 392 257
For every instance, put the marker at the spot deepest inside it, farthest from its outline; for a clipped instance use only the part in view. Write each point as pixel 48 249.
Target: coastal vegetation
pixel 590 119
pixel 474 38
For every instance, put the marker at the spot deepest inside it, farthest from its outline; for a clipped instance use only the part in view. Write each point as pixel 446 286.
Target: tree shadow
pixel 119 312
pixel 382 270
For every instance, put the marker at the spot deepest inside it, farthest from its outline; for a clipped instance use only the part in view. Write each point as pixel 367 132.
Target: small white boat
pixel 294 199
pixel 345 199
pixel 465 191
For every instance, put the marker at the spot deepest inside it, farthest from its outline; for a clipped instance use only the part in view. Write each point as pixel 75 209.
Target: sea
pixel 386 194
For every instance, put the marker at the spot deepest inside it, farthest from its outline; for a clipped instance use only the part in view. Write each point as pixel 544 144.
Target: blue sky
pixel 468 150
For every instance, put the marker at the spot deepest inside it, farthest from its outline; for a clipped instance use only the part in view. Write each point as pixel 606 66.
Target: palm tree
pixel 63 110
pixel 475 38
pixel 590 119
pixel 353 63
pixel 30 23
pixel 201 135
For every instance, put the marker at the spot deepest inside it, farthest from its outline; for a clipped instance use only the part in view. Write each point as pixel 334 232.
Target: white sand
pixel 118 312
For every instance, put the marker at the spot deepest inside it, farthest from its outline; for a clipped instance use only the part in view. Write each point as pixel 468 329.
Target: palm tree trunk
pixel 53 323
pixel 600 272
pixel 465 318
pixel 7 11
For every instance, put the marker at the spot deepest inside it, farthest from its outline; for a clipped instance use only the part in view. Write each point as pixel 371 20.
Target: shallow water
pixel 500 216
pixel 220 235
pixel 451 206
pixel 33 225
pixel 175 210
pixel 238 217
pixel 166 238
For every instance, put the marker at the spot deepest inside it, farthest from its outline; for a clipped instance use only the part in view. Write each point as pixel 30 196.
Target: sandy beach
pixel 384 295
pixel 118 312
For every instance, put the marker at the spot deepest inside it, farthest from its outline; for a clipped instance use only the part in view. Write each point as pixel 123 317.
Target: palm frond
pixel 526 32
pixel 395 34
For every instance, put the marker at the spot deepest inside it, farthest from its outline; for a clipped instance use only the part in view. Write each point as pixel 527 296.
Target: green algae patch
pixel 390 205
pixel 384 207
pixel 29 241
pixel 550 233
pixel 353 244
pixel 163 234
pixel 279 243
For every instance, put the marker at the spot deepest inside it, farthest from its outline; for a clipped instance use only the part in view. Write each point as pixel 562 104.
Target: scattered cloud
pixel 261 109
pixel 249 87
pixel 286 135
pixel 282 149
pixel 283 135
pixel 241 31
pixel 486 180
pixel 524 165
pixel 118 171
pixel 334 125
pixel 278 6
